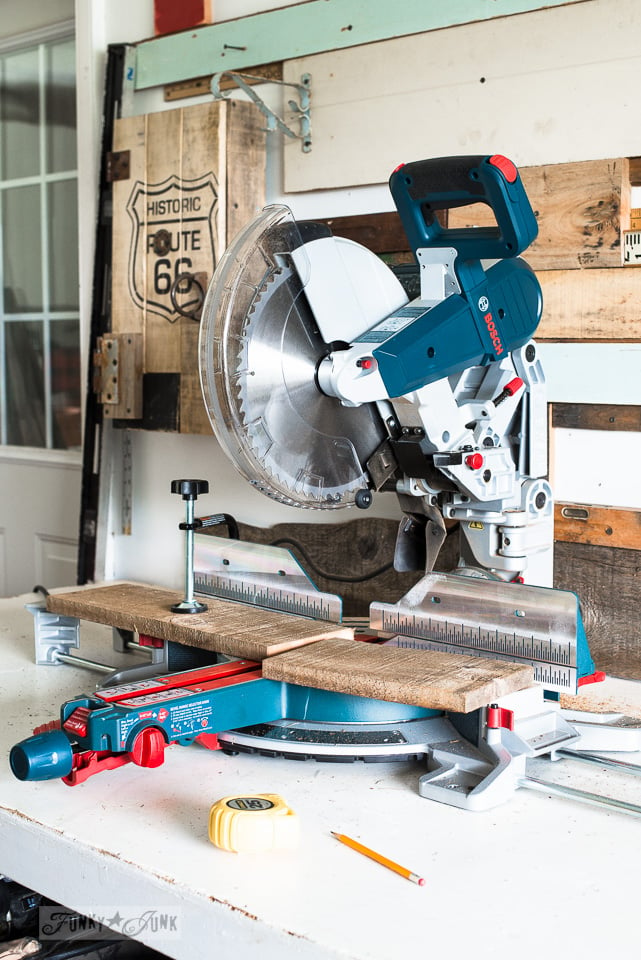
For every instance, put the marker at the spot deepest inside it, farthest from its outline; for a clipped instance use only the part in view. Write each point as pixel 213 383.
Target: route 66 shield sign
pixel 173 230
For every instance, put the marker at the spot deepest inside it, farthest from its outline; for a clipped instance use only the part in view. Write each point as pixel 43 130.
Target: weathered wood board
pixel 554 93
pixel 599 526
pixel 196 175
pixel 234 629
pixel 601 304
pixel 379 232
pixel 424 678
pixel 581 209
pixel 607 581
pixel 199 86
pixel 596 416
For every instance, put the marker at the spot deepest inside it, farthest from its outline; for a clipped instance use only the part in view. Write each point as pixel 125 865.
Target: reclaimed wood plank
pixel 424 678
pixel 379 232
pixel 608 585
pixel 601 304
pixel 602 526
pixel 244 166
pixel 193 414
pixel 234 629
pixel 580 207
pixel 596 416
pixel 253 76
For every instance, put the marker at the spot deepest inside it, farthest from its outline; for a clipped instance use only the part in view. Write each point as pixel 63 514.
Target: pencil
pixel 396 867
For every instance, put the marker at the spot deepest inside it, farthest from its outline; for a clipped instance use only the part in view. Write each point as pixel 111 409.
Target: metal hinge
pixel 118 165
pixel 117 375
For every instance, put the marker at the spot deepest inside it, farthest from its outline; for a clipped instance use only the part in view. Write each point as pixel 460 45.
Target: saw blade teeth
pixel 291 441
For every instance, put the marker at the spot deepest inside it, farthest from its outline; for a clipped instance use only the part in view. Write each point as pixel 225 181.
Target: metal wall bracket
pixel 274 122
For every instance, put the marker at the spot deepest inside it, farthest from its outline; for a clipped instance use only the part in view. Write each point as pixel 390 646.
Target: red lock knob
pixel 474 461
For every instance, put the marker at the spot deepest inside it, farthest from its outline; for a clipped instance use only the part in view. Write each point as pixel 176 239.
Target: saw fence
pixel 353 559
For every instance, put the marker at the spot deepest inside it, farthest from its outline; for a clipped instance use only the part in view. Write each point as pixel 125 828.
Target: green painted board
pixel 304 29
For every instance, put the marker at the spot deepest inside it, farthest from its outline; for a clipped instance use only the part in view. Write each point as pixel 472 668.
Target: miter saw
pixel 325 384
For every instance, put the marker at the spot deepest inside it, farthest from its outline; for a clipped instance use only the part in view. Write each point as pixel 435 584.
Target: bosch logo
pixel 483 304
pixel 493 332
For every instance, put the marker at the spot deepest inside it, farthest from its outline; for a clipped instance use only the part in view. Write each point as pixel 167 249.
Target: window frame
pixel 40 40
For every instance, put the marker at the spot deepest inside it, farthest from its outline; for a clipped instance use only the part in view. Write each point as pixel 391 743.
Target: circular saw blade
pixel 259 350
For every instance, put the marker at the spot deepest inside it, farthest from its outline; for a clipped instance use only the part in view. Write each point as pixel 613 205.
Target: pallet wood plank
pixel 193 414
pixel 580 207
pixel 423 678
pixel 130 133
pixel 354 559
pixel 608 585
pixel 263 72
pixel 597 416
pixel 379 232
pixel 601 526
pixel 244 166
pixel 234 629
pixel 600 304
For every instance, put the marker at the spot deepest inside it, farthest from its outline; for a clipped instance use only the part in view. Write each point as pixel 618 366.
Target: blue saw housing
pixel 499 308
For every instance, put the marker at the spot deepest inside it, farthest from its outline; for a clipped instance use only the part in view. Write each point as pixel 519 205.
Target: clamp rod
pixel 600 761
pixel 82 662
pixel 189 490
pixel 583 796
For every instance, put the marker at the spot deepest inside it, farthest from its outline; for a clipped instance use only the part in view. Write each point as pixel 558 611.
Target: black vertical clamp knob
pixel 189 490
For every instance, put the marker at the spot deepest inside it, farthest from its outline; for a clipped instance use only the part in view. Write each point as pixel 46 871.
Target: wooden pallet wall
pixel 581 210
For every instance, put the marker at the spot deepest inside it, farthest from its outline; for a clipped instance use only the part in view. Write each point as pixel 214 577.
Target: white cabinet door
pixel 39 511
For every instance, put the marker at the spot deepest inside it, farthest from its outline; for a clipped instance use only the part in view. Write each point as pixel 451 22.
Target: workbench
pixel 535 875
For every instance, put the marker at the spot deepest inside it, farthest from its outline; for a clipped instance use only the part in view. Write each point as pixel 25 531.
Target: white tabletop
pixel 535 875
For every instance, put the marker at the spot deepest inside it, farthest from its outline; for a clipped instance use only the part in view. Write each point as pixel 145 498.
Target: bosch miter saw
pixel 325 384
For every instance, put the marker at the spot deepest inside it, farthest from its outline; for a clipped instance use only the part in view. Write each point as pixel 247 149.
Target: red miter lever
pixel 509 390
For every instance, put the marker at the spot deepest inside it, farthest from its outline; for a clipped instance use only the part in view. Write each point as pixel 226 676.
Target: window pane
pixel 63 245
pixel 65 383
pixel 24 384
pixel 60 93
pixel 19 115
pixel 22 250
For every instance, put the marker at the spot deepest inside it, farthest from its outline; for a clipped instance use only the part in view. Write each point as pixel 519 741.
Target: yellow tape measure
pixel 257 823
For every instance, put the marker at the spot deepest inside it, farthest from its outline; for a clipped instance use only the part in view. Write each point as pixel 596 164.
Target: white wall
pixel 16 18
pixel 583 373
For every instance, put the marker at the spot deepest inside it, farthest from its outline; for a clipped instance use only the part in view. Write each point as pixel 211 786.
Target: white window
pixel 39 320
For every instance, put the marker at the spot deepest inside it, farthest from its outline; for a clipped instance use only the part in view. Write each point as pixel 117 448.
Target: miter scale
pixel 493 619
pixel 263 576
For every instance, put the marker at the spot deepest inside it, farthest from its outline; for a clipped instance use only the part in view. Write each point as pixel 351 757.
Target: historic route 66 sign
pixel 173 229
